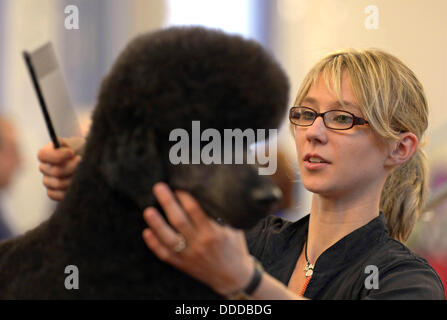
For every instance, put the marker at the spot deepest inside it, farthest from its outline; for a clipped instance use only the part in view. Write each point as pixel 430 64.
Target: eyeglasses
pixel 333 119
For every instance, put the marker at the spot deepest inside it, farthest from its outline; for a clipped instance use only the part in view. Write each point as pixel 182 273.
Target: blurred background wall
pixel 296 32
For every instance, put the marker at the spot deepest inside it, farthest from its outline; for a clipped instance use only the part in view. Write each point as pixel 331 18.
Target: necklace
pixel 309 268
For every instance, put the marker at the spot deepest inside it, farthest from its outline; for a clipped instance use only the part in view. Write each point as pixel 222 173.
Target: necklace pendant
pixel 309 268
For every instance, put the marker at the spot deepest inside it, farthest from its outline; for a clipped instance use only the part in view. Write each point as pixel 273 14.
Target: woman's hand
pixel 209 252
pixel 58 165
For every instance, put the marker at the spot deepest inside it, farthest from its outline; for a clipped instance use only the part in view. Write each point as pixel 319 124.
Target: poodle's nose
pixel 266 196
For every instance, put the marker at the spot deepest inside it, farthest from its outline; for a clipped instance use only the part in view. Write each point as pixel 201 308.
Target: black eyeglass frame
pixel 355 120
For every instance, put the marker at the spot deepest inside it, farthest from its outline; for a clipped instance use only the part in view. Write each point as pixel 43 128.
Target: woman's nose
pixel 317 131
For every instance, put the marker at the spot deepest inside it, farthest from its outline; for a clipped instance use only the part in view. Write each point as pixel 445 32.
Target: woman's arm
pixel 214 254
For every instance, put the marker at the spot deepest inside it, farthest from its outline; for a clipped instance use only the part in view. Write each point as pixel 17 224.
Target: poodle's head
pixel 172 80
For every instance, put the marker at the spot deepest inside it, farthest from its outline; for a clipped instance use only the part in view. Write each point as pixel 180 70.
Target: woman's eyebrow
pixel 309 100
pixel 337 103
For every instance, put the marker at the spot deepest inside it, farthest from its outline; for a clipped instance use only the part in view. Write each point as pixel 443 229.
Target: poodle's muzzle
pixel 234 194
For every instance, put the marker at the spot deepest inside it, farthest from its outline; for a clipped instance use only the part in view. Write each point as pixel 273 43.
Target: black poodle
pixel 161 81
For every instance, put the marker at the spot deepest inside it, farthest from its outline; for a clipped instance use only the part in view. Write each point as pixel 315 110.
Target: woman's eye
pixel 308 115
pixel 341 118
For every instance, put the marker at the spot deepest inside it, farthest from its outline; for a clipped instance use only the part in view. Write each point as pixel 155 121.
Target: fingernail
pixel 160 186
pixel 156 186
pixel 146 232
pixel 69 153
pixel 150 211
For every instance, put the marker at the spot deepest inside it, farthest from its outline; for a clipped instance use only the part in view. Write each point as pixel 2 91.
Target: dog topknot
pixel 167 77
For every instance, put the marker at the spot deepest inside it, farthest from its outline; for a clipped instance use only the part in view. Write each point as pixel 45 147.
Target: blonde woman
pixel 358 122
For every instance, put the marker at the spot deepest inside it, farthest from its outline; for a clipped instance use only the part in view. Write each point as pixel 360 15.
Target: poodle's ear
pixel 132 164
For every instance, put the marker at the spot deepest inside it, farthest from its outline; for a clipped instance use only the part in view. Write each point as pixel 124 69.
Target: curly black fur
pixel 161 81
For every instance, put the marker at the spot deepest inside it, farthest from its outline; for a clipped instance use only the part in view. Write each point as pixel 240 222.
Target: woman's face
pixel 353 159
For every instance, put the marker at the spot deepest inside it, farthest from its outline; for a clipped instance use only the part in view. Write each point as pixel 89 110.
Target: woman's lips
pixel 313 161
pixel 315 166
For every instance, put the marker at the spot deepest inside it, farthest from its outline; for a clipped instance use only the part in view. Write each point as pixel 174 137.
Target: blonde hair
pixel 393 101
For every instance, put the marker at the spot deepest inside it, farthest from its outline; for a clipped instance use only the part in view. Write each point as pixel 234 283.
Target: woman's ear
pixel 402 150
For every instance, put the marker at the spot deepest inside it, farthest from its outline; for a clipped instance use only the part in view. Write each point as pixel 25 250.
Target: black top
pixel 341 271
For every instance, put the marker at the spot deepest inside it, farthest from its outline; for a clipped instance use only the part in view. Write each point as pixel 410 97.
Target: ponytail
pixel 403 195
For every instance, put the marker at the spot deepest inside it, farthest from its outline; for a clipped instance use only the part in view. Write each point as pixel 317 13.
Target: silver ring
pixel 181 244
